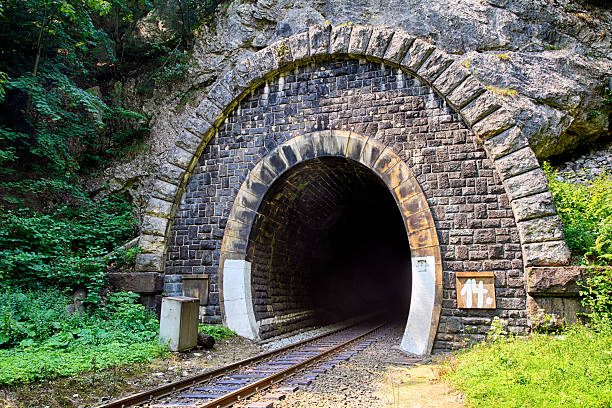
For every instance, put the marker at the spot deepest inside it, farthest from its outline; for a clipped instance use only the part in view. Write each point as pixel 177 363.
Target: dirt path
pixel 417 387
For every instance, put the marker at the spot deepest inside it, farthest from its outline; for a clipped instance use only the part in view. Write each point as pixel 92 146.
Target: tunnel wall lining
pixel 425 306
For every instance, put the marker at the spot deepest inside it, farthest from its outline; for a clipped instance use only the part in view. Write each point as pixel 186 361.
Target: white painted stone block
pixel 416 335
pixel 237 298
pixel 178 324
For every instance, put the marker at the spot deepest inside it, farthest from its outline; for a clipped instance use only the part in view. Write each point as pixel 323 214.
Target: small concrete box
pixel 178 324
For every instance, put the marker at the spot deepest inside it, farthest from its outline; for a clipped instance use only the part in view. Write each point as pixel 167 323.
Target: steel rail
pixel 250 389
pixel 180 385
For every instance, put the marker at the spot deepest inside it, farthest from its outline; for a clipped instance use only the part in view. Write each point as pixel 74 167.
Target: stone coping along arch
pixel 234 270
pixel 485 113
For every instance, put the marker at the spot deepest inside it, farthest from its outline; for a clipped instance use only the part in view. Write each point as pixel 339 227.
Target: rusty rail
pixel 250 389
pixel 185 383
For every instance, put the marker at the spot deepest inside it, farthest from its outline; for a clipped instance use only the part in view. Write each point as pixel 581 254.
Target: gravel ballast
pixel 353 383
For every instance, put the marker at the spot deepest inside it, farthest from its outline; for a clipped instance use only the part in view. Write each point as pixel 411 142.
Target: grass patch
pixel 218 332
pixel 568 370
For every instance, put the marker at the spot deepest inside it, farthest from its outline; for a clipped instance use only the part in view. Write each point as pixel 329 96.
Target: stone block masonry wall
pixel 476 228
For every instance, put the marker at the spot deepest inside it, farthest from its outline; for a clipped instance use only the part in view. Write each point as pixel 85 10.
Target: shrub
pixel 586 211
pixel 218 332
pixel 47 341
pixel 40 318
pixel 64 247
pixel 597 296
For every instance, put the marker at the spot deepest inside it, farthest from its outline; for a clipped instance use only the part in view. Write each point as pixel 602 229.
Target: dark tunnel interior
pixel 328 243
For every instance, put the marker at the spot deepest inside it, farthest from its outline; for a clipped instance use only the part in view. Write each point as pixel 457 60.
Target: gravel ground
pixel 93 388
pixel 365 380
pixel 368 380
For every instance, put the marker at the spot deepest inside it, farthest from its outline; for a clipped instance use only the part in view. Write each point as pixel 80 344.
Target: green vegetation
pixel 218 332
pixel 568 370
pixel 586 211
pixel 597 296
pixel 605 106
pixel 46 342
pixel 63 247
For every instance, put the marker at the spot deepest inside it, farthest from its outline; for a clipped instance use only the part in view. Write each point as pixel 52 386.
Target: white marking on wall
pixel 237 298
pixel 422 298
pixel 472 287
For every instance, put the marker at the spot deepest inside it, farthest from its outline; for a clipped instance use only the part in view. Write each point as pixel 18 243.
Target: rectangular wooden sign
pixel 196 286
pixel 475 290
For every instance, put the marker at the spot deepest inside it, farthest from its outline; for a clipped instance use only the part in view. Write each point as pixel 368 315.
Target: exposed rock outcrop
pixel 588 166
pixel 550 59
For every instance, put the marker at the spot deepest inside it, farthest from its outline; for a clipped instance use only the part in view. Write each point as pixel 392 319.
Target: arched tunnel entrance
pixel 326 226
pixel 328 243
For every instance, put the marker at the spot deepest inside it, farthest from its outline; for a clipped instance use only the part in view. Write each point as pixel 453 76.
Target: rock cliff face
pixel 552 60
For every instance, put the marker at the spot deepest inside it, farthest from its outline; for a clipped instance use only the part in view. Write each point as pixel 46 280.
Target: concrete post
pixel 178 324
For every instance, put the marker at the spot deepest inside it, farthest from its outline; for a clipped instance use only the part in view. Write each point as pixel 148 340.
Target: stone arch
pixel 234 273
pixel 492 121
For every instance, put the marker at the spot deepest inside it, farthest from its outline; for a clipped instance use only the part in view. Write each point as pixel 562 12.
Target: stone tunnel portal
pixel 328 243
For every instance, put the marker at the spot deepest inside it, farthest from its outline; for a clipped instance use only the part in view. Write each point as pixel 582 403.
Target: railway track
pixel 294 365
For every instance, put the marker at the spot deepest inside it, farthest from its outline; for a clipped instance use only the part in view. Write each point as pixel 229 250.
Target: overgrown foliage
pixel 597 296
pixel 586 212
pixel 62 116
pixel 47 341
pixel 568 370
pixel 63 247
pixel 218 332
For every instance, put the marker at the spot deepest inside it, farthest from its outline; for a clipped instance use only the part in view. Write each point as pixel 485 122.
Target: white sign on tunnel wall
pixel 475 290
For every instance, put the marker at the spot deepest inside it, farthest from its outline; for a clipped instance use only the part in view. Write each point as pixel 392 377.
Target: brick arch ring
pixel 234 271
pixel 493 122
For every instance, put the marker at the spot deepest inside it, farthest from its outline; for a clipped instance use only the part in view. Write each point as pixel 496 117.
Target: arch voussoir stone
pixel 504 143
pixel 488 116
pixel 525 184
pixel 482 106
pixel 465 92
pixel 339 40
pixel 379 41
pixel 435 65
pixel 398 47
pixel 416 55
pixel 450 78
pixel 360 38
